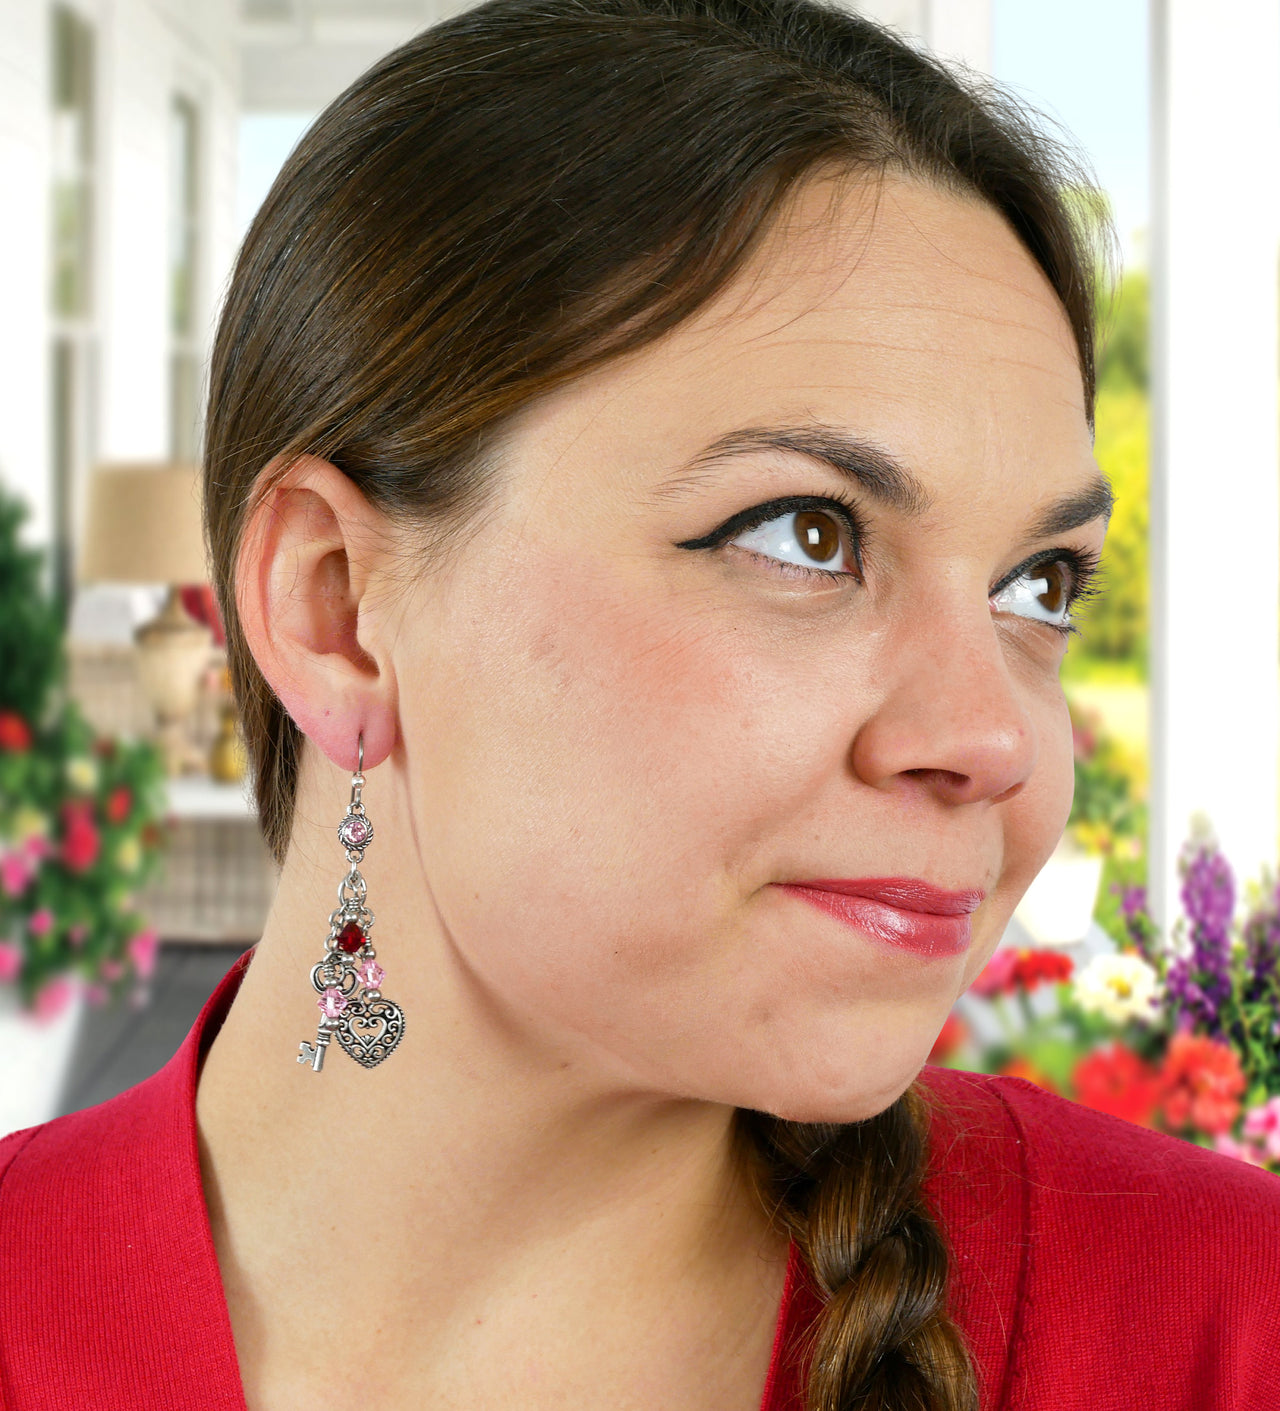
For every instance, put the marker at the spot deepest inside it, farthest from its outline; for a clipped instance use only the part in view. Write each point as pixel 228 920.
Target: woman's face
pixel 626 718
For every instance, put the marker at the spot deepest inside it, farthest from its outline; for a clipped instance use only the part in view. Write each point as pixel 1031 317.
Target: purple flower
pixel 1262 948
pixel 1199 984
pixel 1136 918
pixel 1208 890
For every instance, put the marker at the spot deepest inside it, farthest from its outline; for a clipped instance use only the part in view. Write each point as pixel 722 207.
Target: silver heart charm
pixel 369 1030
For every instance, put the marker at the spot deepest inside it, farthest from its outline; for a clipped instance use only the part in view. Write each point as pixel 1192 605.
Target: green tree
pixel 1115 624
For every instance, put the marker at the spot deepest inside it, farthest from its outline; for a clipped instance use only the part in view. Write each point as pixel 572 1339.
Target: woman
pixel 649 482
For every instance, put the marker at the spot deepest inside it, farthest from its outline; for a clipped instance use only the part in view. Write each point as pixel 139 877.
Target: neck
pixel 475 1167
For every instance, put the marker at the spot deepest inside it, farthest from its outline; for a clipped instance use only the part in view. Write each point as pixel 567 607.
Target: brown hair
pixel 516 195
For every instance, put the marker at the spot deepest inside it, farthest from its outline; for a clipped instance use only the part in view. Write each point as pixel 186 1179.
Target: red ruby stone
pixel 350 938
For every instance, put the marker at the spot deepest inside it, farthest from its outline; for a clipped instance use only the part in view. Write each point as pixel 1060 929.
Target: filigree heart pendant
pixel 369 1030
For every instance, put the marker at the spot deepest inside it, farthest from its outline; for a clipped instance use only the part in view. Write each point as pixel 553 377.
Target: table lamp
pixel 144 526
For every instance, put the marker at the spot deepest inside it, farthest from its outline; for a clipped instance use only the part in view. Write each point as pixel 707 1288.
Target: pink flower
pixel 110 970
pixel 15 872
pixel 52 998
pixel 1264 1122
pixel 10 961
pixel 96 995
pixel 142 951
pixel 77 933
pixel 1240 1151
pixel 40 923
pixel 999 976
pixel 38 846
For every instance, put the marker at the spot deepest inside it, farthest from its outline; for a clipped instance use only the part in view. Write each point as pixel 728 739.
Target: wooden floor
pixel 121 1046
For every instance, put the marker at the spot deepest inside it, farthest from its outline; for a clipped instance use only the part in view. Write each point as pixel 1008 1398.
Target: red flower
pixel 1202 1082
pixel 15 733
pixel 1033 966
pixel 81 841
pixel 952 1034
pixel 119 802
pixel 1114 1079
pixel 1011 969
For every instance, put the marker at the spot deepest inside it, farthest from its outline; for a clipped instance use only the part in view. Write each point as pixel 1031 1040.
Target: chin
pixel 854 1100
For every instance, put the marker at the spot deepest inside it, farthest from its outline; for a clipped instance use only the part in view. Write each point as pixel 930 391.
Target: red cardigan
pixel 1098 1266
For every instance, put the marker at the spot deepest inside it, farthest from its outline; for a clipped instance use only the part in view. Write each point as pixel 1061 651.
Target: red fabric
pixel 1097 1266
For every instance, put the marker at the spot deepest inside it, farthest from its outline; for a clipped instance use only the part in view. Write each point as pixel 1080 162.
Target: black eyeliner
pixel 759 514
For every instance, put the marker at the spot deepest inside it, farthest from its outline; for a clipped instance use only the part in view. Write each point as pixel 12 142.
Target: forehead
pixel 909 315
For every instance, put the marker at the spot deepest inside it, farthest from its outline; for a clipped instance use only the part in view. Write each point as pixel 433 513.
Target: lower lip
pixel 917 931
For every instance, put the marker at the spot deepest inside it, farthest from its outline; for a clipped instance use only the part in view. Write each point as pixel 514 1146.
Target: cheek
pixel 591 781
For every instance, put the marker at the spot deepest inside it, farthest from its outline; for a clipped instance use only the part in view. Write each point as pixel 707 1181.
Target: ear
pixel 311 563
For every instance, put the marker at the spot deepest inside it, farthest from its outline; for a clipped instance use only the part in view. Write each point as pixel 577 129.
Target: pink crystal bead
pixel 372 974
pixel 332 1002
pixel 354 831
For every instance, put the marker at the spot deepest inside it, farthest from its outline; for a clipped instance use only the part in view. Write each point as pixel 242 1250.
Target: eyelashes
pixel 1065 590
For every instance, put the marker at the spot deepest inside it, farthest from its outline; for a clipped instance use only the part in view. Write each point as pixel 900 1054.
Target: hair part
pixel 507 201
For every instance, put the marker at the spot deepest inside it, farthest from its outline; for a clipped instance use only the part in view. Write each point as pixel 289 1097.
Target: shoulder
pixel 110 1294
pixel 1072 1155
pixel 1120 1229
pixel 65 1182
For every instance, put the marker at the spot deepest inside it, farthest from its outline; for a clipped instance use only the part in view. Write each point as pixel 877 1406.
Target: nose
pixel 951 718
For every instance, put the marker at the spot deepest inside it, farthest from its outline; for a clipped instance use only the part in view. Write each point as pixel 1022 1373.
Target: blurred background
pixel 137 139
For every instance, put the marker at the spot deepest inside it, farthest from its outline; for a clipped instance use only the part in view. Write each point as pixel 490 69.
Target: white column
pixel 1215 516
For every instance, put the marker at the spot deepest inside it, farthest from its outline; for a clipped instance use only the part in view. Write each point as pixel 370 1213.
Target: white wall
pixel 146 51
pixel 953 29
pixel 24 239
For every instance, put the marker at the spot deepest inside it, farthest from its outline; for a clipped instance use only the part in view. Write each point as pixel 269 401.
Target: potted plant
pixel 1104 831
pixel 1181 1034
pixel 81 831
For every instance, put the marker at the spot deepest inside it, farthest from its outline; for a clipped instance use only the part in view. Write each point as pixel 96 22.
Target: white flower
pixel 129 855
pixel 1119 987
pixel 29 822
pixel 82 773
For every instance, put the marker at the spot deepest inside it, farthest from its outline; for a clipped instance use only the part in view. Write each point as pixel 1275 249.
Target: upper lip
pixel 908 893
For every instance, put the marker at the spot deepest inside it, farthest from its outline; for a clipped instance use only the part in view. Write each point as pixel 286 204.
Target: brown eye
pixel 1057 586
pixel 799 539
pixel 1043 593
pixel 817 533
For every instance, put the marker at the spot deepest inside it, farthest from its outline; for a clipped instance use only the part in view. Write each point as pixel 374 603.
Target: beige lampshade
pixel 143 525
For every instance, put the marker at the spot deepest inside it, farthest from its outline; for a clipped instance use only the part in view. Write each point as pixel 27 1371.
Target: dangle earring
pixel 347 979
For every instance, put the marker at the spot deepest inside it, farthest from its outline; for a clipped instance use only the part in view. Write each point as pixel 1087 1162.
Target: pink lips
pixel 899 911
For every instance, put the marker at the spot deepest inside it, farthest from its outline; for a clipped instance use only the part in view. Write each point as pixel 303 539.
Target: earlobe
pixel 307 561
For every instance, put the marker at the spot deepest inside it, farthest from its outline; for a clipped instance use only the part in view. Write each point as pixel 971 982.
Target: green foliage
pixel 1124 322
pixel 1114 625
pixel 1104 809
pixel 30 631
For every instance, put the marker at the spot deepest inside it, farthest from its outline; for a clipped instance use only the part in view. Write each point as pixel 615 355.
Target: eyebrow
pixel 877 473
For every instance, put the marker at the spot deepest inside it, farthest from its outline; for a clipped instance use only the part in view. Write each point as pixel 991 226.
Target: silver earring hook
pixel 357 779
